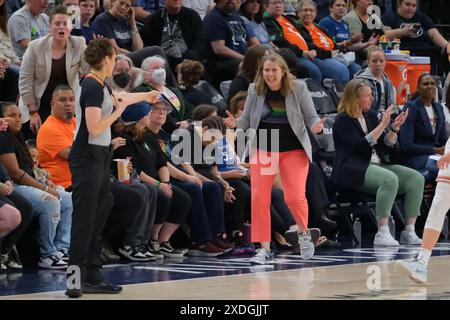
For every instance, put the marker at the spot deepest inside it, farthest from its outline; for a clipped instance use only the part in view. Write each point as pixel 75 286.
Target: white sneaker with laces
pixel 53 263
pixel 263 256
pixel 410 237
pixel 414 269
pixel 306 245
pixel 385 239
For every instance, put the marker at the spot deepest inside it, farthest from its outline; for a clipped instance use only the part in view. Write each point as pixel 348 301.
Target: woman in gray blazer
pixel 48 62
pixel 278 109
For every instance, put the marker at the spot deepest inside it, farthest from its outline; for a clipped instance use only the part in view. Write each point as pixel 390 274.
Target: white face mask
pixel 159 75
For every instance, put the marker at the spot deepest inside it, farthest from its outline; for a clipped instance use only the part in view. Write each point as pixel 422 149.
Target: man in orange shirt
pixel 55 138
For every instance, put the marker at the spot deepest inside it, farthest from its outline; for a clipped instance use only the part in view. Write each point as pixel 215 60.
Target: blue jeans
pixel 314 71
pixel 353 69
pixel 55 217
pixel 332 68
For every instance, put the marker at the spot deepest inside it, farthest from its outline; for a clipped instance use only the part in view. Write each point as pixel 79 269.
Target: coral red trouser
pixel 293 167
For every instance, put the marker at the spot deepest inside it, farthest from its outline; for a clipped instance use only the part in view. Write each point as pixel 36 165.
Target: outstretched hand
pixel 230 121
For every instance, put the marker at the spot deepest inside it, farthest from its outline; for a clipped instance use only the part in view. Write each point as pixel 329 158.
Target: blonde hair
pixel 349 103
pixel 372 49
pixel 287 81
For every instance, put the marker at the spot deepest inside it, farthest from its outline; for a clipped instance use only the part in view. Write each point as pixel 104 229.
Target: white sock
pixel 410 228
pixel 423 256
pixel 384 229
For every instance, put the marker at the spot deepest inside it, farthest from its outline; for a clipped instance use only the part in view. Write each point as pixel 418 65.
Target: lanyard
pixel 171 33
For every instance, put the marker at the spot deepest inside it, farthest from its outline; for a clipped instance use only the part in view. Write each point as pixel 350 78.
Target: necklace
pixel 96 76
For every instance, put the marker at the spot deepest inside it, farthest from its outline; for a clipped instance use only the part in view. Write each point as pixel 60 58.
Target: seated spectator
pixel 285 32
pixel 237 104
pixel 124 74
pixel 15 216
pixel 424 133
pixel 251 12
pixel 189 75
pixel 154 78
pixel 118 24
pixel 339 30
pixel 202 7
pixel 247 70
pixel 144 8
pixel 228 39
pixel 177 30
pixel 27 24
pixel 147 158
pixel 49 61
pixel 307 11
pixel 383 90
pixel 358 20
pixel 206 215
pixel 55 138
pixel 9 62
pixel 419 34
pixel 297 70
pixel 52 205
pixel 362 161
pixel 87 12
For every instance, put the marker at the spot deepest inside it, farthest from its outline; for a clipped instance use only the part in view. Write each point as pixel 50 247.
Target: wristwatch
pixel 393 130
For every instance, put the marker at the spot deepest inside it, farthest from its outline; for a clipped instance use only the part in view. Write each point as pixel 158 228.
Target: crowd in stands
pixel 203 57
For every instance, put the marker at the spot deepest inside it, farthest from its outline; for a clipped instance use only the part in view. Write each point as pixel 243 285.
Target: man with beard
pixel 228 39
pixel 55 138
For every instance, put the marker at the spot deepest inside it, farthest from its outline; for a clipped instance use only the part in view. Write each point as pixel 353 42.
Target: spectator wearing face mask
pixel 124 74
pixel 154 78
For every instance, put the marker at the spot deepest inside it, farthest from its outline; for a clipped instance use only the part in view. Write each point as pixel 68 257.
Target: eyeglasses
pixel 164 110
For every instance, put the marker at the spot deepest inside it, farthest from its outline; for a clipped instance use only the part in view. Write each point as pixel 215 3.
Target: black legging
pixel 26 213
pixel 238 211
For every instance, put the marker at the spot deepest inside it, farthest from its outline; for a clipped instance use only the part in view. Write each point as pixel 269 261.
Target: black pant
pixel 172 210
pixel 280 216
pixel 206 213
pixel 222 70
pixel 128 215
pixel 238 211
pixel 26 213
pixel 92 203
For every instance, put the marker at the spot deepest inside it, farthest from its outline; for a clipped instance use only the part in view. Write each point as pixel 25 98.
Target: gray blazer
pixel 299 108
pixel 36 69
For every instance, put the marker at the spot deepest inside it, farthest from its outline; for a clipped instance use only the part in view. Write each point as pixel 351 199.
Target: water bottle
pixel 445 228
pixel 357 230
pixel 392 226
pixel 134 177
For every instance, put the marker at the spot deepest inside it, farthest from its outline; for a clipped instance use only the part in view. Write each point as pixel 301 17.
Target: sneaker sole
pixel 405 271
pixel 126 256
pixel 52 267
pixel 196 253
pixel 172 255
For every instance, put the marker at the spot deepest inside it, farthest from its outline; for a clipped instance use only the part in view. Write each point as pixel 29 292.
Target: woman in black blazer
pixel 424 133
pixel 362 161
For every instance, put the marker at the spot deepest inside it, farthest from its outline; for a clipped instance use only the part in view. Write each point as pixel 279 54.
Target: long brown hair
pixel 287 81
pixel 349 103
pixel 251 59
pixel 132 130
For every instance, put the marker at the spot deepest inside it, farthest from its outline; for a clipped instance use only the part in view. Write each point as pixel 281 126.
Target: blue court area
pixel 39 281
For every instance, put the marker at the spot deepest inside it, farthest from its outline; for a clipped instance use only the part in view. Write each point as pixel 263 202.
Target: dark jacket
pixel 353 151
pixel 416 136
pixel 276 35
pixel 4 176
pixel 191 27
pixel 240 83
pixel 174 116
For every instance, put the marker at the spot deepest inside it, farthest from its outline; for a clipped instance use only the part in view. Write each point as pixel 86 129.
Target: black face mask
pixel 122 79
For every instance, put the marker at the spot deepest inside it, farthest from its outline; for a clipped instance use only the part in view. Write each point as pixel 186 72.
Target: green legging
pixel 386 181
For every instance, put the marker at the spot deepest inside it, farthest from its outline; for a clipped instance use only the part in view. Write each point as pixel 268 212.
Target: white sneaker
pixel 385 239
pixel 263 256
pixel 414 269
pixel 53 263
pixel 410 237
pixel 306 245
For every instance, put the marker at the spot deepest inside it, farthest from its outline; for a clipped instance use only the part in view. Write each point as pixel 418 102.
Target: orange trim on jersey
pixel 320 39
pixel 93 76
pixel 291 34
